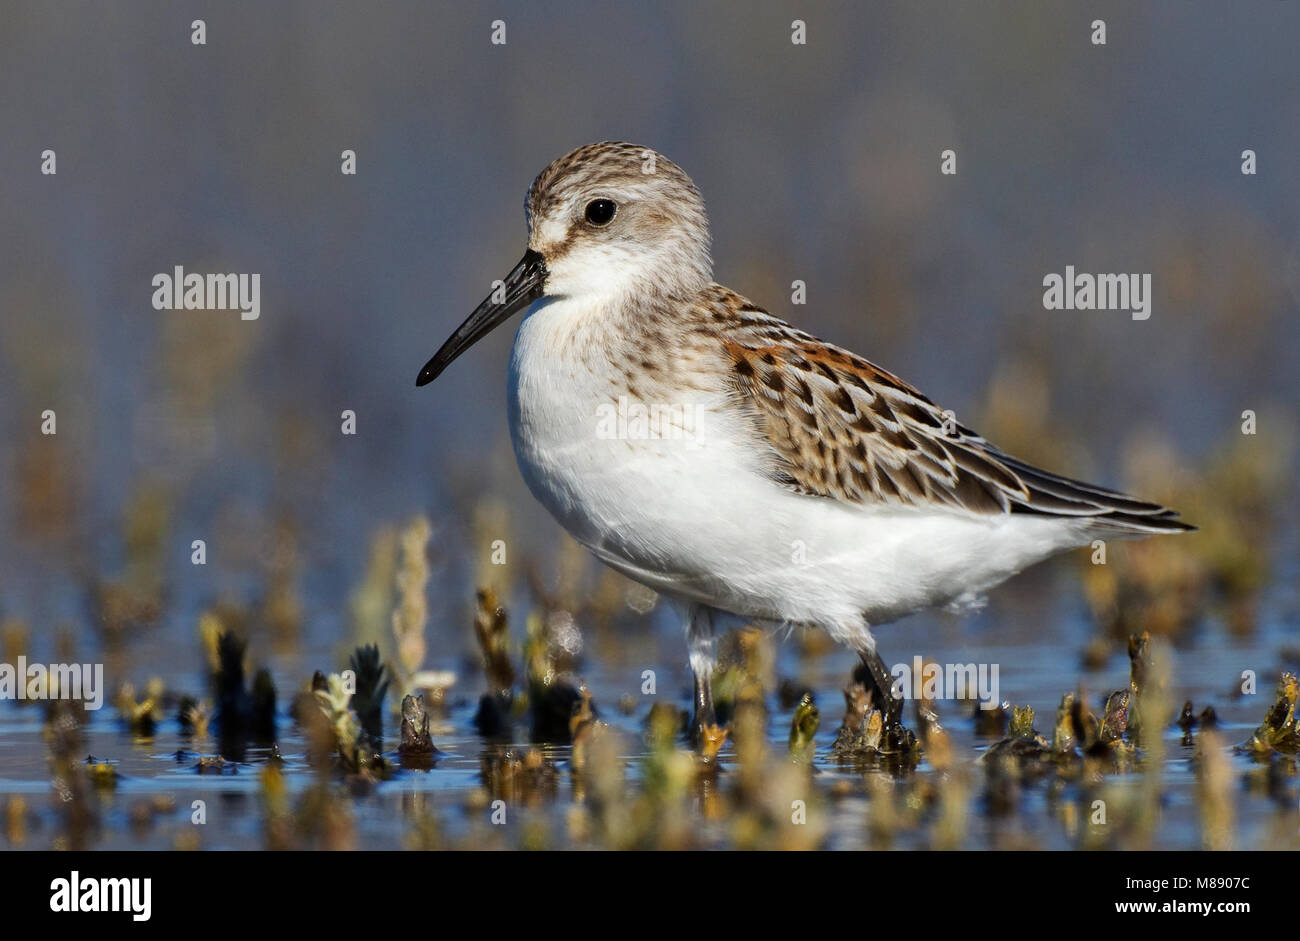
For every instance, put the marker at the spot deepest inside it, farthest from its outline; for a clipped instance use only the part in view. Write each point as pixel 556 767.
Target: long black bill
pixel 522 286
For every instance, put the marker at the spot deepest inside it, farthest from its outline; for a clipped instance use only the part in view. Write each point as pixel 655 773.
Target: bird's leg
pixel 880 683
pixel 703 658
pixel 703 700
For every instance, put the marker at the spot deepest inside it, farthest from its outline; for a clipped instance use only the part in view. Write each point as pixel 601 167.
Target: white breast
pixel 639 493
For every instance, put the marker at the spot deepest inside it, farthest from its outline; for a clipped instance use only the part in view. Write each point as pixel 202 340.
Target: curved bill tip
pixel 431 371
pixel 523 285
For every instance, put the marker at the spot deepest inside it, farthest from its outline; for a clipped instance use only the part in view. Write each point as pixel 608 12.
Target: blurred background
pixel 819 162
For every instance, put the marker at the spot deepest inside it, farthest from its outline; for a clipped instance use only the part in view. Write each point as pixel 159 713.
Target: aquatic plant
pixel 241 714
pixel 411 612
pixel 416 747
pixel 371 688
pixel 142 717
pixel 1214 782
pixel 492 631
pixel 193 716
pixel 353 749
pixel 803 729
pixel 553 696
pixel 1278 733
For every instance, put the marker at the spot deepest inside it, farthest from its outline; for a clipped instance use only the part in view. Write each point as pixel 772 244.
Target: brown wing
pixel 844 428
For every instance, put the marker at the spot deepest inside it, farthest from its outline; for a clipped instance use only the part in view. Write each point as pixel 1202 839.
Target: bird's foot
pixel 708 739
pixel 706 735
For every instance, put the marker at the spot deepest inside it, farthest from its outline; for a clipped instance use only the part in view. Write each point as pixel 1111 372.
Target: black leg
pixel 699 635
pixel 703 703
pixel 881 685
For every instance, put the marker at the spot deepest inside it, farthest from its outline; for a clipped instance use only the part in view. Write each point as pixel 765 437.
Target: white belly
pixel 696 517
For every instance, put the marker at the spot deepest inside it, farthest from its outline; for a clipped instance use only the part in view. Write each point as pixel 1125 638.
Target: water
pixel 1038 659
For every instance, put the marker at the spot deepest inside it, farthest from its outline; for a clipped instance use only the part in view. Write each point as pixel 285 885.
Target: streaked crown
pixel 613 217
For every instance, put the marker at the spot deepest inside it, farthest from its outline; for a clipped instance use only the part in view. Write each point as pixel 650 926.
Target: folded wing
pixel 843 428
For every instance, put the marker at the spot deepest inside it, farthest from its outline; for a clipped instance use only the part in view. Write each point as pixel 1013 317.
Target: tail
pixel 1132 524
pixel 1053 495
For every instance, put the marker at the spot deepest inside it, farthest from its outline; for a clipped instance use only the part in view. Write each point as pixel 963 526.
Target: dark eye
pixel 600 211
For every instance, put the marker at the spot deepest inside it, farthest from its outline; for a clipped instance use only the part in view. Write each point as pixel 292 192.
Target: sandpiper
pixel 786 479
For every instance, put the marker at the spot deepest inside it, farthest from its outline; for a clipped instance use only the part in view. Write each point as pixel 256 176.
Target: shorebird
pixel 759 471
